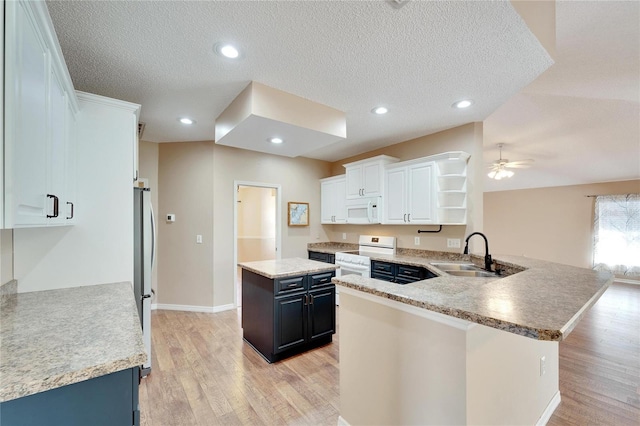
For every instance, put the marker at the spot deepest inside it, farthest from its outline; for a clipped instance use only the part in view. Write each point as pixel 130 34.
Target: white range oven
pixel 358 262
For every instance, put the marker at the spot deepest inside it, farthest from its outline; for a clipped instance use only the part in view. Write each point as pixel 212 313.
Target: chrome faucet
pixel 487 256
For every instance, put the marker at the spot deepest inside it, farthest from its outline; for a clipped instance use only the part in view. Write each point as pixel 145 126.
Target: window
pixel 617 234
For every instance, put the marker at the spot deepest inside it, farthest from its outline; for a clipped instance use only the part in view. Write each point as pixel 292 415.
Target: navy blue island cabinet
pixel 109 400
pixel 284 316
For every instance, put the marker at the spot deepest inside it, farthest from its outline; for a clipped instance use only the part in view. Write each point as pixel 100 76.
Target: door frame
pixel 278 188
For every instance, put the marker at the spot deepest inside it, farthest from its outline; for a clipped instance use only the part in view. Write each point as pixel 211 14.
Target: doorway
pixel 257 226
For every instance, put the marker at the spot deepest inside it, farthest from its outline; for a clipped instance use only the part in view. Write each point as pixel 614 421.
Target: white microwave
pixel 364 210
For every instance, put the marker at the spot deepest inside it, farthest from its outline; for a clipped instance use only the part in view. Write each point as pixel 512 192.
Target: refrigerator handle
pixel 153 236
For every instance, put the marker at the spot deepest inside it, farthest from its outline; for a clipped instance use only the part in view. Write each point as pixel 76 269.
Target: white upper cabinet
pixel 409 193
pixel 25 121
pixel 365 177
pixel 333 200
pixel 38 99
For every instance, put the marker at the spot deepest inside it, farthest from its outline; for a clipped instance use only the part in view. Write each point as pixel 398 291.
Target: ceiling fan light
pixel 500 173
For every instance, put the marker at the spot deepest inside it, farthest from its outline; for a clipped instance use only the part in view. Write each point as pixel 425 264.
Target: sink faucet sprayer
pixel 487 256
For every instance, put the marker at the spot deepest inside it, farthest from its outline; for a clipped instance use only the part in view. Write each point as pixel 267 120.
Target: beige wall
pixel 6 255
pixel 466 138
pixel 553 224
pixel 299 180
pixel 148 169
pixel 196 183
pixel 185 184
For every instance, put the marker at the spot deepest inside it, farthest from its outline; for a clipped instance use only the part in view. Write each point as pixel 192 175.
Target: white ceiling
pixel 416 60
pixel 580 120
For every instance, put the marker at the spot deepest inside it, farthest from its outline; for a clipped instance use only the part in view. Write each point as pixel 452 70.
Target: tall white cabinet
pixel 409 193
pixel 52 134
pixel 333 207
pixel 364 177
pixel 39 110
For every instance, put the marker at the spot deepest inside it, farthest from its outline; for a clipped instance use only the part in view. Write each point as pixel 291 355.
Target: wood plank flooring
pixel 203 373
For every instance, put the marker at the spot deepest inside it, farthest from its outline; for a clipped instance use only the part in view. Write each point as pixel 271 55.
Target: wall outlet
pixel 344 235
pixel 453 242
pixel 543 366
pixel 198 239
pixel 416 241
pixel 171 218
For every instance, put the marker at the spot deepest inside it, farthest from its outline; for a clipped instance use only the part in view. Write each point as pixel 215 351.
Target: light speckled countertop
pixel 541 300
pixel 286 267
pixel 54 338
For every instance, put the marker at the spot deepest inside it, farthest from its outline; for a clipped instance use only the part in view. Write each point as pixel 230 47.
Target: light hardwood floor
pixel 203 373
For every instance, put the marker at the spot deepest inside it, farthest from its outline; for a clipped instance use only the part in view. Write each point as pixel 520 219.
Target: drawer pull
pixel 293 285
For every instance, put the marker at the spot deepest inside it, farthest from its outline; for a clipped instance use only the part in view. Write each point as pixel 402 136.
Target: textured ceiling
pixel 416 60
pixel 579 120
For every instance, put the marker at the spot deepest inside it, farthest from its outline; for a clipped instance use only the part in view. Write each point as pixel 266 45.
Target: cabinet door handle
pixel 310 299
pixel 409 217
pixel 404 217
pixel 70 217
pixel 55 205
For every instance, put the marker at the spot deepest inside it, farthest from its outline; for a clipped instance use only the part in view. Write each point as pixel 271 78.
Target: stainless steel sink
pixel 456 267
pixel 475 273
pixel 463 269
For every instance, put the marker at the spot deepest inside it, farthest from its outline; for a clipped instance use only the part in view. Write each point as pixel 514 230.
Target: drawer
pixel 382 276
pixel 318 280
pixel 411 271
pixel 289 284
pixel 320 257
pixel 384 267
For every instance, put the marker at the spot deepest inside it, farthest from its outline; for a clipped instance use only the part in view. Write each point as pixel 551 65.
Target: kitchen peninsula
pixel 459 350
pixel 70 356
pixel 288 306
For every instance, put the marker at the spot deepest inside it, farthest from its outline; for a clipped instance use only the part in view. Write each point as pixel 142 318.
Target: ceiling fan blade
pixel 517 166
pixel 517 162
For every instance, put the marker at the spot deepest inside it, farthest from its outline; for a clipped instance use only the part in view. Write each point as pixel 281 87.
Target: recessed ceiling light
pixel 227 50
pixel 379 110
pixel 465 103
pixel 185 120
pixel 275 140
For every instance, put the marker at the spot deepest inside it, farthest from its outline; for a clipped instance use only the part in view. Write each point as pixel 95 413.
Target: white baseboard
pixel 626 281
pixel 546 415
pixel 192 308
pixel 342 421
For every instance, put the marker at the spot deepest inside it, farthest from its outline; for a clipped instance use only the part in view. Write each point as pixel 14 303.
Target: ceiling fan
pixel 499 168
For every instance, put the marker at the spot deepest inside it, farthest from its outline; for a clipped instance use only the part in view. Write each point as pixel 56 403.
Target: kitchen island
pixel 459 350
pixel 70 356
pixel 288 306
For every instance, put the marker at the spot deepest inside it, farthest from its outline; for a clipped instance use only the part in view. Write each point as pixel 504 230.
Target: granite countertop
pixel 286 267
pixel 55 338
pixel 537 299
pixel 331 248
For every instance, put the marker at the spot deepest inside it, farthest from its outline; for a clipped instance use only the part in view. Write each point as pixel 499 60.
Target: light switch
pixel 198 239
pixel 453 242
pixel 416 241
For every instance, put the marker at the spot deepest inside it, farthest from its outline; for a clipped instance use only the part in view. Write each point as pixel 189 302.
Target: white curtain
pixel 616 233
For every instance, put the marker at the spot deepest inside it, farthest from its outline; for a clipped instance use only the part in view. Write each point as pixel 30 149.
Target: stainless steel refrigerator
pixel 143 259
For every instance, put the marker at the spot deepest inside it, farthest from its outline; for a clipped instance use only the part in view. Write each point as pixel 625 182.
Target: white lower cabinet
pixel 333 196
pixel 409 194
pixel 38 102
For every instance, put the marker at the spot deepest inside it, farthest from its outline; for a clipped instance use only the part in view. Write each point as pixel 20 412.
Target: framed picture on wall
pixel 298 214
